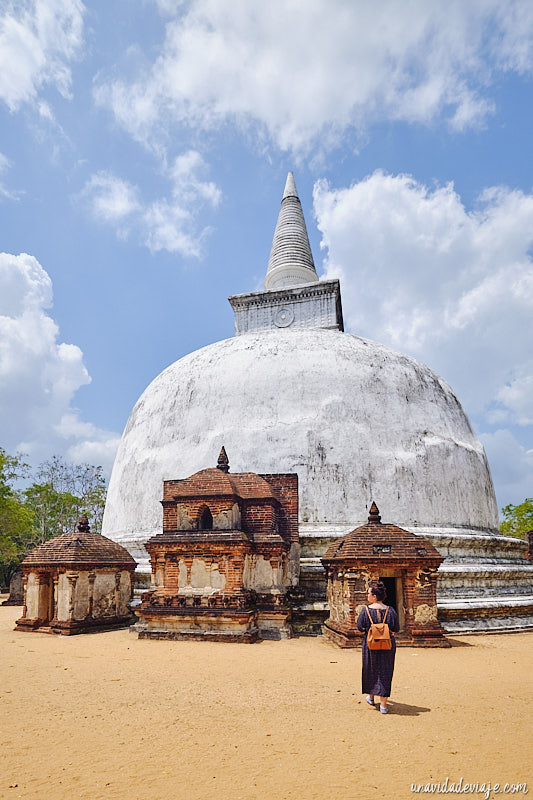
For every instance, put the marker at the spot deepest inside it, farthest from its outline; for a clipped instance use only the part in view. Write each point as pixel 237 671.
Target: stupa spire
pixel 290 187
pixel 291 261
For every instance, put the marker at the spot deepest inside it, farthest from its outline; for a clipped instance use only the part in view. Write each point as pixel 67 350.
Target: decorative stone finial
pixel 223 461
pixel 374 514
pixel 291 261
pixel 83 524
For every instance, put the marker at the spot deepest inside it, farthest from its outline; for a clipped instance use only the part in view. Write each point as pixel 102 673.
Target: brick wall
pixel 260 516
pixel 285 488
pixel 194 507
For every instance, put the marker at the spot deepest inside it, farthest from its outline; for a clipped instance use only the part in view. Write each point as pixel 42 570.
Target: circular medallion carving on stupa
pixel 283 317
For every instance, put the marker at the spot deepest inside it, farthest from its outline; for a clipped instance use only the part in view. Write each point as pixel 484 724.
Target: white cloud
pixel 38 40
pixel 511 466
pixel 452 287
pixel 40 375
pixel 303 73
pixel 167 223
pixel 86 442
pixel 517 398
pixel 187 185
pixel 111 198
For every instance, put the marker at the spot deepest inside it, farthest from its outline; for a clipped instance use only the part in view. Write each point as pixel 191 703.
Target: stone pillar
pixel 43 602
pixel 117 594
pixel 55 591
pixel 72 578
pixel 158 575
pixel 409 595
pixel 25 588
pixel 16 590
pixel 91 578
pixel 529 535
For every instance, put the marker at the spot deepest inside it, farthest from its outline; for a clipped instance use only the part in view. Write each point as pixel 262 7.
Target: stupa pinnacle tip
pixel 290 187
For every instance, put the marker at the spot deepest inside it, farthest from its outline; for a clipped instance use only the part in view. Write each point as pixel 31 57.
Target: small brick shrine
pixel 227 558
pixel 406 563
pixel 78 582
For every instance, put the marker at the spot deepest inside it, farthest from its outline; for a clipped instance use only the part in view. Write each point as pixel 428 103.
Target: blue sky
pixel 143 153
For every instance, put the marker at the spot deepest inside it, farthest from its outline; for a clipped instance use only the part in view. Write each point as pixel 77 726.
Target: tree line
pixel 51 505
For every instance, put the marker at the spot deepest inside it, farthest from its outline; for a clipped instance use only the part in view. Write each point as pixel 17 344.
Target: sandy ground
pixel 108 716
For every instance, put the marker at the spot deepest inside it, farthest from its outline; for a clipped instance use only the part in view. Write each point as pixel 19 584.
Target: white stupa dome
pixel 291 392
pixel 353 418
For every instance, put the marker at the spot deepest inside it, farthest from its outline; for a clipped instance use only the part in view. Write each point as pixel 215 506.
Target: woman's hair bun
pixel 378 589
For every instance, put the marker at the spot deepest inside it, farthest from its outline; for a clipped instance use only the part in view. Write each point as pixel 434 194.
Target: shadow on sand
pixel 403 710
pixel 457 643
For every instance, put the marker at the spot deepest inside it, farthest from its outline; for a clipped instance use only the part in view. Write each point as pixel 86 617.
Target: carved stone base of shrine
pixel 239 618
pixel 197 622
pixel 72 627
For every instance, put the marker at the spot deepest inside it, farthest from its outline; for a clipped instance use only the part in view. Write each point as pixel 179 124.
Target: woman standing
pixel 378 665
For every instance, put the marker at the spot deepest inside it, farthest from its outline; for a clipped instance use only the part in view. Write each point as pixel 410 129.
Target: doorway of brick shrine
pixel 394 586
pixel 46 600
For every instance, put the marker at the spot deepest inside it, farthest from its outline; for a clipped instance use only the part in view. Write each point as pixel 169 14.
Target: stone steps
pixel 488 625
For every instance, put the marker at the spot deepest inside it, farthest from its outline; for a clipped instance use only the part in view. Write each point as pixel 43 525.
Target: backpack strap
pixel 379 621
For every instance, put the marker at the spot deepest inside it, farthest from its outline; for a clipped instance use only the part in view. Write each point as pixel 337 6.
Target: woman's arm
pixel 363 623
pixel 394 623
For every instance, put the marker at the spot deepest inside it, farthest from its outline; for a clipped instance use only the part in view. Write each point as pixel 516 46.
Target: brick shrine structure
pixel 78 582
pixel 406 563
pixel 228 556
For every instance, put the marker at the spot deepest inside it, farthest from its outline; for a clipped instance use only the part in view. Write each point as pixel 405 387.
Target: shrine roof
pixel 80 548
pixel 213 481
pixel 381 541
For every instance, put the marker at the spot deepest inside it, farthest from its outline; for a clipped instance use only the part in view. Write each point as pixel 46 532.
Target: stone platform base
pixel 402 640
pixel 274 625
pixel 247 637
pixel 308 618
pixel 516 624
pixel 201 622
pixel 73 627
pixel 216 624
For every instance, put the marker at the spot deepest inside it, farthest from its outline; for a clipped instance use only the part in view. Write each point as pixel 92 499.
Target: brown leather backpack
pixel 378 637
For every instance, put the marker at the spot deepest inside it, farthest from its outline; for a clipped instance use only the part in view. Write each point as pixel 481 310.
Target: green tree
pixel 54 512
pixel 518 520
pixel 16 520
pixel 47 508
pixel 62 493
